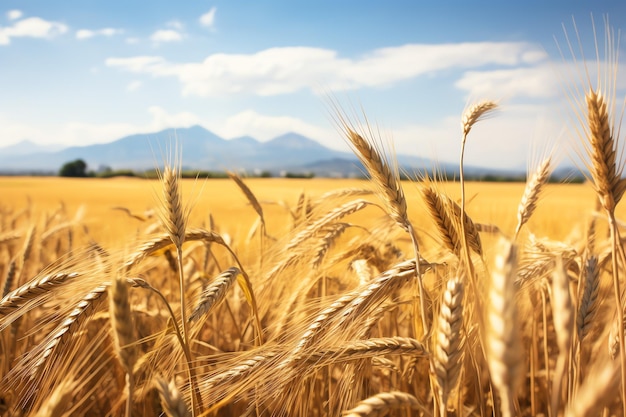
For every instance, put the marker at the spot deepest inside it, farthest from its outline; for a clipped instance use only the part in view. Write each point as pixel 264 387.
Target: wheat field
pixel 321 297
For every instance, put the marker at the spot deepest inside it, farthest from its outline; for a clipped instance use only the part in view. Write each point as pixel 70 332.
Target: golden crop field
pixel 317 313
pixel 564 208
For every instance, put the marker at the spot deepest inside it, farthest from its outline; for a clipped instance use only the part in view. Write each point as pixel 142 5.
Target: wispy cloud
pixel 32 27
pixel 208 19
pixel 535 82
pixel 286 70
pixel 88 33
pixel 175 24
pixel 166 35
pixel 264 127
pixel 136 64
pixel 134 86
pixel 14 14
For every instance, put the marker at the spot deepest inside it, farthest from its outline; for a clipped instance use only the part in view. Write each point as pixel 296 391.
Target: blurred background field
pixel 563 212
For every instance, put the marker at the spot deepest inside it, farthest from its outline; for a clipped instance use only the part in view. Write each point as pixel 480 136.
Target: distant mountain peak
pixel 294 141
pixel 27 146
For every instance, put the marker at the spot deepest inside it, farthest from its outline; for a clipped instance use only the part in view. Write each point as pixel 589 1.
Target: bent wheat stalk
pixel 380 404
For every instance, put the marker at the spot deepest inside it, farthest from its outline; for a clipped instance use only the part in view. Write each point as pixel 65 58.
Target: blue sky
pixel 81 72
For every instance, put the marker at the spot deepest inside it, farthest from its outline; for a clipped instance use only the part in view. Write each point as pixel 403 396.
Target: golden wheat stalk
pixel 172 401
pixel 563 318
pixel 502 341
pixel 447 216
pixel 604 171
pixel 123 333
pixel 333 215
pixel 58 401
pixel 447 358
pixel 589 301
pixel 380 404
pixel 384 177
pixel 533 189
pixel 64 330
pixel 8 281
pixel 214 293
pixel 248 193
pixel 122 323
pixel 466 225
pixel 174 218
pixel 31 291
pixel 475 113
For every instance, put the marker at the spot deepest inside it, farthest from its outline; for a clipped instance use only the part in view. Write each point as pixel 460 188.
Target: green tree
pixel 76 168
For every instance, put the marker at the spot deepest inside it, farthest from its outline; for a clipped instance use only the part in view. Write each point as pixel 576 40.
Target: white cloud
pixel 175 24
pixel 208 19
pixel 161 119
pixel 264 127
pixel 137 64
pixel 132 41
pixel 536 82
pixel 32 27
pixel 14 14
pixel 286 70
pixel 87 33
pixel 134 86
pixel 166 35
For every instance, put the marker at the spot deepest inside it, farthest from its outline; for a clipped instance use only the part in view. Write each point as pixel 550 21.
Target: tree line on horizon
pixel 79 169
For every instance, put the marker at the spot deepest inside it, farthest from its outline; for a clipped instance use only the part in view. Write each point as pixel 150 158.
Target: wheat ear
pixel 172 401
pixel 33 290
pixel 214 293
pixel 123 333
pixel 380 404
pixel 447 216
pixel 8 281
pixel 502 341
pixel 606 176
pixel 533 189
pixel 447 357
pixel 475 113
pixel 588 305
pixel 57 402
pixel 563 318
pixel 610 187
pixel 470 117
pixel 384 177
pixel 66 327
pixel 388 183
pixel 331 216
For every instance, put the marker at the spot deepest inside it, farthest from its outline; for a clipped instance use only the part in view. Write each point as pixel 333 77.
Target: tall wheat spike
pixel 123 333
pixel 381 404
pixel 502 341
pixel 533 189
pixel 447 357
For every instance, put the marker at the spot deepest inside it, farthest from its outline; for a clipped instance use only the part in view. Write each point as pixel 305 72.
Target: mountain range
pixel 204 150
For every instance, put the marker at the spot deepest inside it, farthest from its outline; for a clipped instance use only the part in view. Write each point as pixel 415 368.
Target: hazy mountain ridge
pixel 204 150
